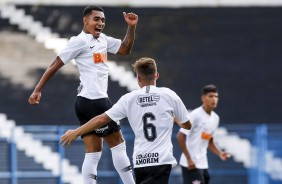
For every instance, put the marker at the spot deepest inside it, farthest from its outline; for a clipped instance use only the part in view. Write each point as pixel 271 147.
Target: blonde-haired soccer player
pixel 151 112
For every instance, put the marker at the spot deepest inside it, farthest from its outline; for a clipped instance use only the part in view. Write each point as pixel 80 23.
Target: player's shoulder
pixel 80 39
pixel 131 94
pixel 197 115
pixel 167 91
pixel 215 115
pixel 197 112
pixel 163 91
pixel 138 92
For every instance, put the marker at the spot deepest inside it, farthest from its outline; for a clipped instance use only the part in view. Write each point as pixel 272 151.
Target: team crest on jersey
pixel 147 158
pixel 148 100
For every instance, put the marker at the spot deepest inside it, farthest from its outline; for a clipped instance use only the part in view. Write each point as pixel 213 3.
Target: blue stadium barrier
pixel 263 137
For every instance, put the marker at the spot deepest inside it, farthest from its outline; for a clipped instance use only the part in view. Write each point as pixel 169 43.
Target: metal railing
pixel 258 136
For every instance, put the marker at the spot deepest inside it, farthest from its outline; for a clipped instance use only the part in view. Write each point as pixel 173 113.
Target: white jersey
pixel 90 55
pixel 197 139
pixel 150 112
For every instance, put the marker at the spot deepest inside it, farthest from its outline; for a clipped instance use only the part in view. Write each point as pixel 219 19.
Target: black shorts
pixel 191 176
pixel 87 109
pixel 153 174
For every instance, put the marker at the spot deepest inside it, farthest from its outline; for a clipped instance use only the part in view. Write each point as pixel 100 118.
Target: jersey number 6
pixel 149 129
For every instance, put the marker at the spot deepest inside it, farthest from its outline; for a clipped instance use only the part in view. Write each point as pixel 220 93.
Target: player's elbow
pixel 103 119
pixel 125 49
pixel 124 52
pixel 187 125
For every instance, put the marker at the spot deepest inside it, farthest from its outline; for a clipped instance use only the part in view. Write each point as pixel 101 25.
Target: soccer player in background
pixel 195 142
pixel 151 112
pixel 89 49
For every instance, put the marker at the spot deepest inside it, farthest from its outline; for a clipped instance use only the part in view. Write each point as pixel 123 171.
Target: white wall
pixel 152 3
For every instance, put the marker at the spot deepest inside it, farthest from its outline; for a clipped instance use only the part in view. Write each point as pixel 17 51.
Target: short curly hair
pixel 88 9
pixel 209 88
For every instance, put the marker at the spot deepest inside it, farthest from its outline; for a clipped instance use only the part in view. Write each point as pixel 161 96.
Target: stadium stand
pixel 19 83
pixel 235 48
pixel 202 44
pixel 32 155
pixel 231 47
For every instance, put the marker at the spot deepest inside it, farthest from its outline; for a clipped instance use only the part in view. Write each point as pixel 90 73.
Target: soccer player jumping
pixel 89 49
pixel 151 112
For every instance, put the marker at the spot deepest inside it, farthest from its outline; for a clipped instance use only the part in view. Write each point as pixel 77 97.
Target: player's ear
pixel 84 20
pixel 203 98
pixel 157 75
pixel 138 78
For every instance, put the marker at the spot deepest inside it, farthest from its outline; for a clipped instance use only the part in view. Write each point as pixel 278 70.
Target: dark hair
pixel 88 9
pixel 209 88
pixel 146 68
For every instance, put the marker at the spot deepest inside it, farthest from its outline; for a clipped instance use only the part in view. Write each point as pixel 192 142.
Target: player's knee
pixel 114 139
pixel 92 143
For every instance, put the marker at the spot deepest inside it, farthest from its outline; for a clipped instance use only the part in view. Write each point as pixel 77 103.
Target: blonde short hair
pixel 146 68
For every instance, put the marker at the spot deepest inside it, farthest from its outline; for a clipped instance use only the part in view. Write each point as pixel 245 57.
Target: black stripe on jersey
pixel 147 89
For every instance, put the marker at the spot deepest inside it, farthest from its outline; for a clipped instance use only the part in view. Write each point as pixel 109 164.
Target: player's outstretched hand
pixel 130 18
pixel 224 156
pixel 68 138
pixel 34 98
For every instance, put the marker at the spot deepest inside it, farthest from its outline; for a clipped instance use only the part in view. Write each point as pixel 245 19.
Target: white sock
pixel 122 163
pixel 89 167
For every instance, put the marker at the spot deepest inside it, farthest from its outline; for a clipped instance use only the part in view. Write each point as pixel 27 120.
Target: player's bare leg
pixel 114 139
pixel 93 143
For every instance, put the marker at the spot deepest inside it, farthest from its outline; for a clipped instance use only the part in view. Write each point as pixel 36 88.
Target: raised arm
pixel 131 19
pixel 94 123
pixel 35 97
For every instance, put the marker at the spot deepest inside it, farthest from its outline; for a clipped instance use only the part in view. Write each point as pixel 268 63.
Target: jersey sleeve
pixel 73 48
pixel 113 44
pixel 194 121
pixel 184 131
pixel 118 111
pixel 216 125
pixel 180 111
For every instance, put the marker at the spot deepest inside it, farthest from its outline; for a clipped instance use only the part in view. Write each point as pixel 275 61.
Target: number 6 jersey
pixel 151 112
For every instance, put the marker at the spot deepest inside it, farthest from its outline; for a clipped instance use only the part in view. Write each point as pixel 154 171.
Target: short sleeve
pixel 216 125
pixel 180 111
pixel 184 131
pixel 72 50
pixel 118 111
pixel 113 44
